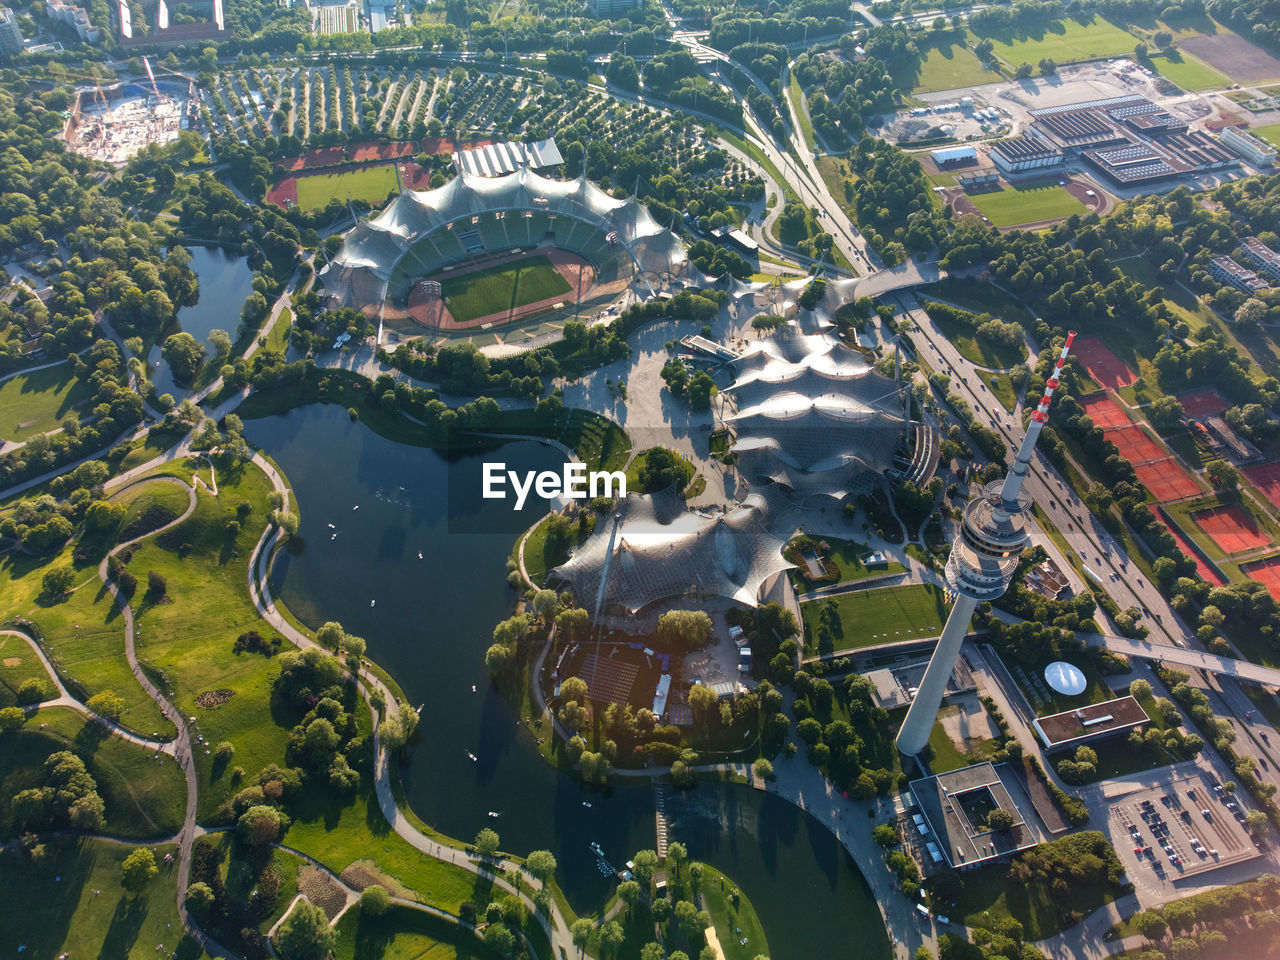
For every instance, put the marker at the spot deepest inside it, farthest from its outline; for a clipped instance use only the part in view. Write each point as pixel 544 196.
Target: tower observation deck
pixel 983 558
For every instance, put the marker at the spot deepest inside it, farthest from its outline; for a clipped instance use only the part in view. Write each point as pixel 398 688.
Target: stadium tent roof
pixel 358 274
pixel 497 159
pixel 663 551
pixel 810 414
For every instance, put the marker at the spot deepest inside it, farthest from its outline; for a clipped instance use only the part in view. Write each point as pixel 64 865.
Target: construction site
pixel 113 123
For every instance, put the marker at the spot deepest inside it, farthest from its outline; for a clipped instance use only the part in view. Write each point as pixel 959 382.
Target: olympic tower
pixel 983 558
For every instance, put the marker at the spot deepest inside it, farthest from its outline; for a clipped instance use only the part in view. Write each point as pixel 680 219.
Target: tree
pixel 157 586
pixel 497 657
pixel 612 937
pixel 224 751
pixel 199 897
pixel 375 900
pixel 261 824
pixel 885 835
pixel 487 842
pixel 1251 313
pixel 762 768
pixel 677 854
pixel 330 635
pixel 542 864
pixel 58 581
pixel 499 939
pixel 1023 71
pixel 1048 67
pixel 305 933
pixel 1257 821
pixel 139 869
pixel 645 864
pixel 581 933
pixel 107 704
pixel 684 629
pixel 11 718
pixel 184 355
pixel 629 892
pixel 1150 925
pixel 999 820
pixel 220 340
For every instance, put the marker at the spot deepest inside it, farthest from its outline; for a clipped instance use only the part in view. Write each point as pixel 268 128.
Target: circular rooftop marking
pixel 1065 678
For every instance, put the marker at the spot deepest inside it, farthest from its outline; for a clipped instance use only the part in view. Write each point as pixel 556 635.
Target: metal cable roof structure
pixel 810 414
pixel 663 551
pixel 414 234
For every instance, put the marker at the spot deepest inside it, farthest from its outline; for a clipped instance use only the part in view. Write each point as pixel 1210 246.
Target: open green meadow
pixel 1063 41
pixel 370 185
pixel 1189 73
pixel 1269 132
pixel 71 903
pixel 500 288
pixel 405 934
pixel 976 349
pixel 883 615
pixel 143 797
pixel 1014 206
pixel 733 916
pixel 83 634
pixel 950 67
pixel 37 402
pixel 19 663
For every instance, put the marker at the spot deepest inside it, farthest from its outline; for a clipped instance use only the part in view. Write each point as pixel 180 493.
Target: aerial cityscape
pixel 640 479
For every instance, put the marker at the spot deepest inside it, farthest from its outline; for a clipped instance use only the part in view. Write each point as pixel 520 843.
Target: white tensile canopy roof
pixel 811 414
pixel 663 551
pixel 373 248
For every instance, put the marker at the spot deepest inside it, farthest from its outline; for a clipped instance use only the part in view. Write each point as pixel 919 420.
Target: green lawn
pixel 951 67
pixel 943 753
pixel 733 916
pixel 189 637
pixel 1064 41
pixel 501 288
pixel 1014 206
pixel 83 634
pixel 71 902
pixel 278 335
pixel 143 797
pixel 883 615
pixel 988 896
pixel 1181 514
pixel 405 934
pixel 37 402
pixel 1189 73
pixel 977 350
pixel 802 111
pixel 849 559
pixel 371 185
pixel 1269 132
pixel 359 832
pixel 18 663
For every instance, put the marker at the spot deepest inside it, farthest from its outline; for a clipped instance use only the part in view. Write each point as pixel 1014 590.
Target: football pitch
pixel 371 185
pixel 500 288
pixel 1065 41
pixel 1011 207
pixel 1190 73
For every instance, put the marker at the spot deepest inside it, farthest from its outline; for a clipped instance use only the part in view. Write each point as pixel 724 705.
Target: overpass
pixel 1181 656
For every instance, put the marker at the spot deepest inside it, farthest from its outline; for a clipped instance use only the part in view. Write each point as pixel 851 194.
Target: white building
pixel 1244 144
pixel 10 33
pixel 74 17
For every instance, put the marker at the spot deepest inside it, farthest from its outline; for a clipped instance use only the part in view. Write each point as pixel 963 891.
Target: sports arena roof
pixel 811 414
pixel 496 159
pixel 662 551
pixel 372 250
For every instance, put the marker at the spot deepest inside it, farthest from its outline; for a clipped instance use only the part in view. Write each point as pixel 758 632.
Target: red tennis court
pixel 1104 412
pixel 1166 480
pixel 1266 477
pixel 1207 573
pixel 1266 572
pixel 1103 365
pixel 1199 404
pixel 1231 529
pixel 1134 444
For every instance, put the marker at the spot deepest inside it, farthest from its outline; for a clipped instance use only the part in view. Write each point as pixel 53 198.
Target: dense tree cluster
pixel 893 202
pixel 67 796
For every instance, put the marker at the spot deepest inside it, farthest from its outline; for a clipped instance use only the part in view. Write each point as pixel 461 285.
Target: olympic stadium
pixel 480 253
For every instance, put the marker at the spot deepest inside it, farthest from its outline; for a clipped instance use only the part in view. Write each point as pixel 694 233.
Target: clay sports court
pixel 1266 477
pixel 1160 473
pixel 1207 573
pixel 1199 404
pixel 1231 529
pixel 1099 362
pixel 1266 572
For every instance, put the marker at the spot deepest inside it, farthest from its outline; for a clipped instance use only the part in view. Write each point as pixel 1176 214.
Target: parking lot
pixel 1178 828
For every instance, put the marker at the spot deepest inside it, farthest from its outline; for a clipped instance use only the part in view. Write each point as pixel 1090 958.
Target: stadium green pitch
pixel 501 288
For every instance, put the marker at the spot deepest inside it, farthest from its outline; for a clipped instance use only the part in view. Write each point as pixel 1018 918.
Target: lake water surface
pixel 432 620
